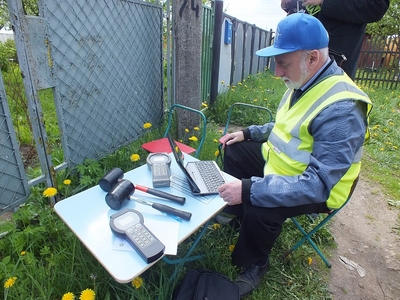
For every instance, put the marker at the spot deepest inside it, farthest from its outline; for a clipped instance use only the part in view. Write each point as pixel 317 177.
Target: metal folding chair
pixel 307 236
pixel 162 145
pixel 263 112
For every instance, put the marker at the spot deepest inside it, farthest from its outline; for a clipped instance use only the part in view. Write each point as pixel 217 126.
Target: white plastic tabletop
pixel 87 215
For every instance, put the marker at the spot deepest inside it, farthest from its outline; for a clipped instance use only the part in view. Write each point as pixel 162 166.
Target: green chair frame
pixel 171 111
pixel 231 109
pixel 162 144
pixel 307 236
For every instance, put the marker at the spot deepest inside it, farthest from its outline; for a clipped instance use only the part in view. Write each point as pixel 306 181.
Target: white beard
pixel 303 75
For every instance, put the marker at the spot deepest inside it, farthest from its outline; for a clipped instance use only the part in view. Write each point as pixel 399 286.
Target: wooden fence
pixel 379 62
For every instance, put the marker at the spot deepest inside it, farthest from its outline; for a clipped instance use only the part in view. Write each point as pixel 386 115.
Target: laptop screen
pixel 179 160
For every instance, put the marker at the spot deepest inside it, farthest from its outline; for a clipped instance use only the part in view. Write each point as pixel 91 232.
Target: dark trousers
pixel 260 226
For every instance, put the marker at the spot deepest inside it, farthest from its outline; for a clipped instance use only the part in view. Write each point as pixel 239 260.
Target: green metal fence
pixel 206 52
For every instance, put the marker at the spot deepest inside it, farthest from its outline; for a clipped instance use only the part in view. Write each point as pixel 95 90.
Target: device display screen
pixel 125 220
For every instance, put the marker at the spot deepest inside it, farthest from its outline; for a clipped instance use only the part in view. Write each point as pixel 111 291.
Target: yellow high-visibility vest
pixel 289 146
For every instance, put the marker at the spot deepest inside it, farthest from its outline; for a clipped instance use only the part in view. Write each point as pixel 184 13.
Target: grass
pixel 42 259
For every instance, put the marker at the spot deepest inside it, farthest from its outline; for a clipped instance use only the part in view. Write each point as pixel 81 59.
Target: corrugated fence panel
pixel 13 184
pixel 107 59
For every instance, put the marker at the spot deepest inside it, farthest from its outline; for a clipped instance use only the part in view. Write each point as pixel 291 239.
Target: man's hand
pixel 231 192
pixel 231 138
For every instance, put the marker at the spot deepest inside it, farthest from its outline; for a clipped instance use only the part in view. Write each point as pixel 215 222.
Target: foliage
pixel 8 54
pixel 389 24
pixel 17 101
pixel 251 91
pixel 30 8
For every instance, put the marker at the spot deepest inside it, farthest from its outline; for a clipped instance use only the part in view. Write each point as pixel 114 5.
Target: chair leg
pixel 307 237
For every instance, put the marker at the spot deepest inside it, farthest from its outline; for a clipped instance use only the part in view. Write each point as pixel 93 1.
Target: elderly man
pixel 308 160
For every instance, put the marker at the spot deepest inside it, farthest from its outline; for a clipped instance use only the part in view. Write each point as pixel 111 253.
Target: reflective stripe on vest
pixel 289 146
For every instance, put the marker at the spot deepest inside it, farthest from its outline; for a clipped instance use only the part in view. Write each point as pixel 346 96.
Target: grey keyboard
pixel 210 174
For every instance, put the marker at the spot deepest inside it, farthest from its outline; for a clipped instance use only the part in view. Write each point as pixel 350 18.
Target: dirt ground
pixel 367 233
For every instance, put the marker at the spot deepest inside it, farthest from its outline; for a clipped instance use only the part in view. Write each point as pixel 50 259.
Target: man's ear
pixel 314 58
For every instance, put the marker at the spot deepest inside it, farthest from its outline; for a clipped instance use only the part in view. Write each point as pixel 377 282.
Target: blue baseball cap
pixel 298 31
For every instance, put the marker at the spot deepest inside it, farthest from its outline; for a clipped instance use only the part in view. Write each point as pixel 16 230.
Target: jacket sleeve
pixel 354 11
pixel 258 133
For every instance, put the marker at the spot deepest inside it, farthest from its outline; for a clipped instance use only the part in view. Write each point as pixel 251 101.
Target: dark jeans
pixel 260 226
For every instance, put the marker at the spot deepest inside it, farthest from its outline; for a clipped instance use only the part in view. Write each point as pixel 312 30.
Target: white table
pixel 87 215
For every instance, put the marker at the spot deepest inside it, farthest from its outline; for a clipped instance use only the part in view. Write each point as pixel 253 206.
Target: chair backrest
pixel 203 125
pixel 241 105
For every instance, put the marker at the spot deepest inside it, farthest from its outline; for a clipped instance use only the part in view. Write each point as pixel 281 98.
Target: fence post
pixel 216 50
pixel 187 28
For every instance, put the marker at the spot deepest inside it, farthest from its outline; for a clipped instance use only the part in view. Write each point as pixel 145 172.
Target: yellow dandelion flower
pixel 381 149
pixel 87 294
pixel 239 83
pixel 309 261
pixel 231 247
pixel 375 135
pixel 147 125
pixel 135 157
pixel 193 138
pixel 68 296
pixel 385 130
pixel 391 123
pixel 216 153
pixel 215 141
pixel 23 253
pixel 395 147
pixel 67 181
pixel 222 82
pixel 220 131
pixel 50 192
pixel 196 128
pixel 204 104
pixel 255 100
pixel 216 226
pixel 9 282
pixel 186 130
pixel 137 282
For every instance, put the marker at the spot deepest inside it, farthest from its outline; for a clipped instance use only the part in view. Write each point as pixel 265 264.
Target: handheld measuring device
pixel 159 164
pixel 129 224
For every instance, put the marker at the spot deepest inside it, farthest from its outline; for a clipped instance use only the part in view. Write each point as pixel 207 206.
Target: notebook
pixel 203 176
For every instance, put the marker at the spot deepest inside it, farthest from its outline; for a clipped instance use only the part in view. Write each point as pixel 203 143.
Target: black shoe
pixel 250 278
